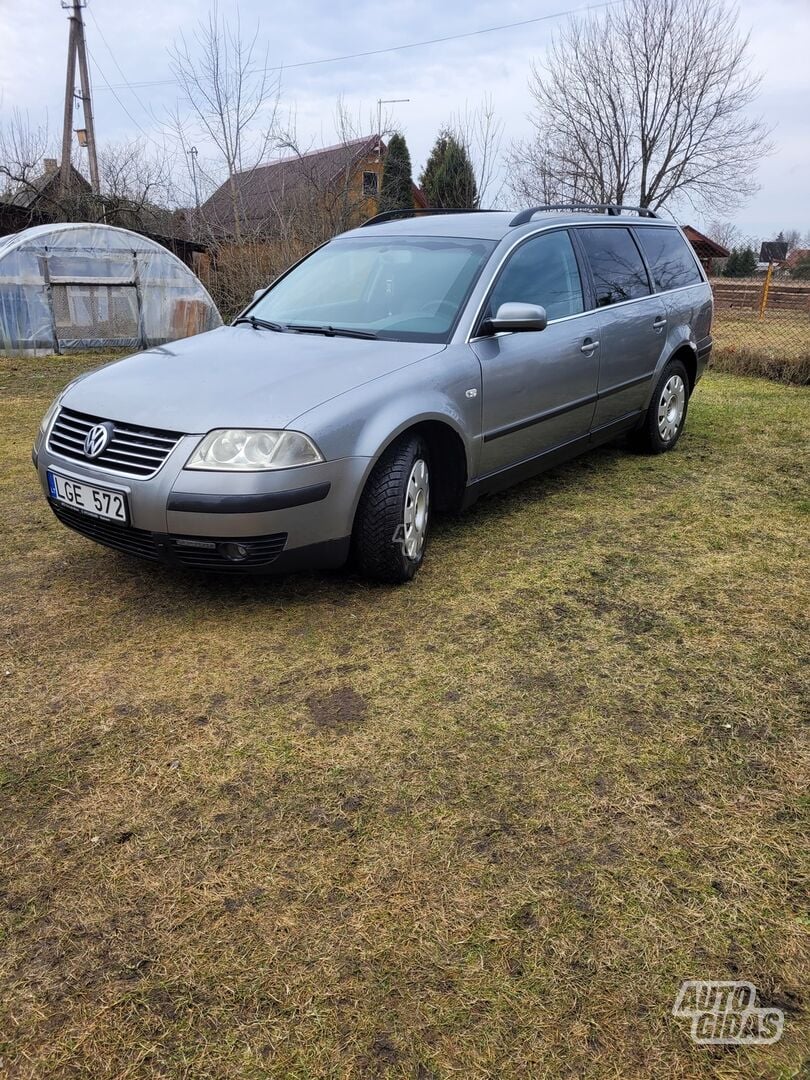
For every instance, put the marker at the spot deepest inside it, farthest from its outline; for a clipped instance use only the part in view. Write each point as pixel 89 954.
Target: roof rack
pixel 613 209
pixel 418 211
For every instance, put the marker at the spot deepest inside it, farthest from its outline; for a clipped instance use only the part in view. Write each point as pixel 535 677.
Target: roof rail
pixel 613 209
pixel 418 211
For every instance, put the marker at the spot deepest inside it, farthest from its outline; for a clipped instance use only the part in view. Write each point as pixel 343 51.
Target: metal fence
pixel 762 325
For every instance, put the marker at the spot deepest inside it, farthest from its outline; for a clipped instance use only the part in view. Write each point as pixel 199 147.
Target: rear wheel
pixel 666 415
pixel 393 518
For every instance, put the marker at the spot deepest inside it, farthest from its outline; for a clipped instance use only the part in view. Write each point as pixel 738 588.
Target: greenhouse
pixel 76 286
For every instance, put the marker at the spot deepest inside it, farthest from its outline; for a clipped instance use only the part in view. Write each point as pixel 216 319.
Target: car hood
pixel 236 376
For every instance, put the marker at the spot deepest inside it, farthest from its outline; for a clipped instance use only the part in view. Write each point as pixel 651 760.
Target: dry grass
pixel 481 826
pixel 777 347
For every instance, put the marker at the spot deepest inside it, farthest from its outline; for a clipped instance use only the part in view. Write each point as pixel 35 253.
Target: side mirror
pixel 257 294
pixel 517 318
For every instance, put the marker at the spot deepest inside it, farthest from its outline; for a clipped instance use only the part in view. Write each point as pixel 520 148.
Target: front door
pixel 539 387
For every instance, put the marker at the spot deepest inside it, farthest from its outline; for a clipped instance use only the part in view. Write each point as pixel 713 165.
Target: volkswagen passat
pixel 401 369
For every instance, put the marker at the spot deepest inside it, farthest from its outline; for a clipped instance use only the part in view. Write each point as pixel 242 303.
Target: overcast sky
pixel 132 38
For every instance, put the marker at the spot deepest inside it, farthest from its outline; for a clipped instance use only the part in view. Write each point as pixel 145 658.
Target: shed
pixel 706 249
pixel 65 287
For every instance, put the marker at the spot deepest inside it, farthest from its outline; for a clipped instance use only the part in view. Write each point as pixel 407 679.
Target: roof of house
pixel 798 255
pixel 705 247
pixel 262 190
pixel 38 189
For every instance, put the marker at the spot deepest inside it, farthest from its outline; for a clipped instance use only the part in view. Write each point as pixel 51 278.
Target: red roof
pixel 704 247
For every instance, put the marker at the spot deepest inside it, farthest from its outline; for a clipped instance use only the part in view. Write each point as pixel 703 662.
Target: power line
pixel 399 48
pixel 118 66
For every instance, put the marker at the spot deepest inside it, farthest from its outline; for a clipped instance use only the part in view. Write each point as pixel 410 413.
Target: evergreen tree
pixel 742 262
pixel 396 191
pixel 748 263
pixel 448 178
pixel 433 164
pixel 801 271
pixel 732 264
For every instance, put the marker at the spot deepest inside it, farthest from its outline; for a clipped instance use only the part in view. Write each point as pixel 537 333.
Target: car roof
pixel 491 224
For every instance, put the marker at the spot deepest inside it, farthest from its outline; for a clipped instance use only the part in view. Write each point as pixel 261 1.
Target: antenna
pixel 380 103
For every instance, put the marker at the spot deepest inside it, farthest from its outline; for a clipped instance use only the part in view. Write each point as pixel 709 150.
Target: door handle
pixel 659 323
pixel 588 346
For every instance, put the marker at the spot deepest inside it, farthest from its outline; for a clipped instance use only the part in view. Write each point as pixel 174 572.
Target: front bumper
pixel 250 522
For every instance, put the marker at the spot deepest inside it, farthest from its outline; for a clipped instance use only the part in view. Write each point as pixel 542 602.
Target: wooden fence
pixel 746 294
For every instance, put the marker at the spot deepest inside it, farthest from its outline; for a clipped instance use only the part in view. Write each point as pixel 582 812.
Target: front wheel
pixel 666 415
pixel 393 518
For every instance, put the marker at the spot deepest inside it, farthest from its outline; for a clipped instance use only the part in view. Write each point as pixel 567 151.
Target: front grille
pixel 121 537
pixel 133 451
pixel 204 553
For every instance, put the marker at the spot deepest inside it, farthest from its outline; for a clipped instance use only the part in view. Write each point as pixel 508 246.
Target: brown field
pixel 478 827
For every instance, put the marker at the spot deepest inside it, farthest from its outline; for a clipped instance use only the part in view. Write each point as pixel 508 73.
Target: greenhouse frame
pixel 67 287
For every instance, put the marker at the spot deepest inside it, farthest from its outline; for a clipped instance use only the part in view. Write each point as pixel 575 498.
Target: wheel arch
pixel 687 354
pixel 449 459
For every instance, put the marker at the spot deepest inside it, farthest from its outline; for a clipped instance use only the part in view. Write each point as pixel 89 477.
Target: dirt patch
pixel 339 711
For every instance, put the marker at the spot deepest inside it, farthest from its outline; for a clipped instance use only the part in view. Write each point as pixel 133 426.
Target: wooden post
pixel 67 123
pixel 763 303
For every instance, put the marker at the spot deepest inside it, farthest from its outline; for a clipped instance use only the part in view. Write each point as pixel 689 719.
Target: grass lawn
pixel 478 827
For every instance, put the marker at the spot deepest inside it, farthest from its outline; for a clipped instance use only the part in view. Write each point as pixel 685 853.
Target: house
pixel 44 192
pixel 706 249
pixel 314 195
pixel 40 202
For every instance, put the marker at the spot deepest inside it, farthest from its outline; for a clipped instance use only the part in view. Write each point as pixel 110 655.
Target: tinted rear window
pixel 671 261
pixel 617 267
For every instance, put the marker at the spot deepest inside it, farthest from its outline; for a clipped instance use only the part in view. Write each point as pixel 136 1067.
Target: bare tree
pixel 23 149
pixel 231 94
pixel 480 132
pixel 135 184
pixel 725 233
pixel 792 238
pixel 306 196
pixel 649 101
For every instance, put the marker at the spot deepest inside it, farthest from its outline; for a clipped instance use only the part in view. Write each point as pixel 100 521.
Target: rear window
pixel 671 260
pixel 617 267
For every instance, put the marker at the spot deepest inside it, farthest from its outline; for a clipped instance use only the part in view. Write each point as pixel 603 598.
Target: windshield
pixel 404 288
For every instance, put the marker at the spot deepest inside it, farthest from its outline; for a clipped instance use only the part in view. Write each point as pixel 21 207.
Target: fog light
pixel 235 552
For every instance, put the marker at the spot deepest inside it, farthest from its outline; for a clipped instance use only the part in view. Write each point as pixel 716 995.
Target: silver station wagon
pixel 404 368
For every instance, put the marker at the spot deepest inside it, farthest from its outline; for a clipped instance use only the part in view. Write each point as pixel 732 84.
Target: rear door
pixel 633 330
pixel 539 387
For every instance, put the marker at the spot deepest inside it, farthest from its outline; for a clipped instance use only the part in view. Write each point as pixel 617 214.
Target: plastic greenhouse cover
pixel 83 268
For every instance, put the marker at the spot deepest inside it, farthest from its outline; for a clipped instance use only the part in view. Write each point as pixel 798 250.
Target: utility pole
pixel 67 123
pixel 78 49
pixel 192 153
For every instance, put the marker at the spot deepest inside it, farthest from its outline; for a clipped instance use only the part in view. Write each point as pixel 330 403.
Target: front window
pixel 370 185
pixel 543 271
pixel 402 288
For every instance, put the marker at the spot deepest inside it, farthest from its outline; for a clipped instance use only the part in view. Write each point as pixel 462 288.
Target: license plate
pixel 97 501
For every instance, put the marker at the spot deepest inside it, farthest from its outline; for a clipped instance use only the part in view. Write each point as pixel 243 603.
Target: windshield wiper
pixel 259 324
pixel 331 331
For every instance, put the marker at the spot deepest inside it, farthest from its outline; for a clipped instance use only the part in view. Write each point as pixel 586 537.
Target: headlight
pixel 47 419
pixel 252 450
